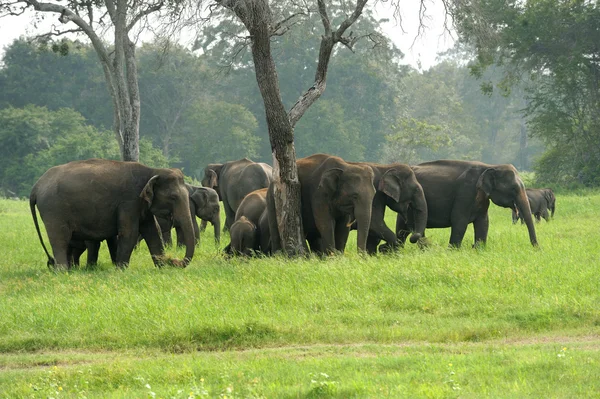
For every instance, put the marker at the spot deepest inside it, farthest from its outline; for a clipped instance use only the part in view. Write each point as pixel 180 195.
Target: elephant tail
pixel 32 202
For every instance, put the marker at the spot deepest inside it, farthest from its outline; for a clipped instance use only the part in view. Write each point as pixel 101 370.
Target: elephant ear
pixel 212 178
pixel 329 181
pixel 148 191
pixel 549 196
pixel 390 185
pixel 487 181
pixel 199 197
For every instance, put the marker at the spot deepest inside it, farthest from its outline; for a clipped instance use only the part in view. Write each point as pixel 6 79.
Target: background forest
pixel 202 105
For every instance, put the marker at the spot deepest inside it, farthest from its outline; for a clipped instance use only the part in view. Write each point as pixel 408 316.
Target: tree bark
pixel 120 69
pixel 256 16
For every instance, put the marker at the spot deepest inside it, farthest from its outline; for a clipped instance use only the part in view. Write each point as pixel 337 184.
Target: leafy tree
pixel 42 74
pixel 33 139
pixel 172 80
pixel 258 18
pixel 554 45
pixel 215 131
pixel 94 19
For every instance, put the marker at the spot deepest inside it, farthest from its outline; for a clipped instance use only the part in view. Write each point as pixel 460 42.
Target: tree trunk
pixel 523 147
pixel 286 187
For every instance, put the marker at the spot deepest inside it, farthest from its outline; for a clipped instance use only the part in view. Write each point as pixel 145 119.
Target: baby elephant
pixel 540 200
pixel 250 230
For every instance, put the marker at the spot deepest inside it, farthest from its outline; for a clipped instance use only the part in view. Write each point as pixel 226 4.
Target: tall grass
pixel 361 315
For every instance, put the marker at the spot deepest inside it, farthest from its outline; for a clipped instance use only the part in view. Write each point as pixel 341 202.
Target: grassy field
pixel 506 320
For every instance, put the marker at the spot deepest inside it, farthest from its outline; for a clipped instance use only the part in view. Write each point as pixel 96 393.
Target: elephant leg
pixel 515 216
pixel 112 243
pixel 315 243
pixel 167 238
pixel 402 229
pixel 76 249
pixel 60 238
pixel 381 231
pixel 372 243
pixel 545 215
pixel 457 233
pixel 203 225
pixel 129 230
pixel 229 216
pixel 342 230
pixel 480 228
pixel 93 249
pixel 216 224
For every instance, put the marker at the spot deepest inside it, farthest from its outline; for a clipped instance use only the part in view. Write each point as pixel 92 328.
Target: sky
pixel 420 49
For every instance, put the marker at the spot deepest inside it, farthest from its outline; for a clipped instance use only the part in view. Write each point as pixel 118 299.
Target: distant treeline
pixel 54 107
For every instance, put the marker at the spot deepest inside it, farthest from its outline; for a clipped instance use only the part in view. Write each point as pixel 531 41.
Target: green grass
pixel 506 320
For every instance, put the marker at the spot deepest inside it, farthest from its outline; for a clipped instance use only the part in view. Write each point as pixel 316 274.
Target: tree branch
pixel 144 13
pixel 280 24
pixel 324 17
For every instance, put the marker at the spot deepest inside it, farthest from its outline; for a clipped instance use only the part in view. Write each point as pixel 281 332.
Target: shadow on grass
pixel 212 338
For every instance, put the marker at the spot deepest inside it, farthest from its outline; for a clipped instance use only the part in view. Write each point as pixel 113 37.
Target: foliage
pixel 35 74
pixel 552 46
pixel 215 131
pixel 34 139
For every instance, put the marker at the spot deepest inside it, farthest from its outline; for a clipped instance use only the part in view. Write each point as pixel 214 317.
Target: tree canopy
pixel 552 47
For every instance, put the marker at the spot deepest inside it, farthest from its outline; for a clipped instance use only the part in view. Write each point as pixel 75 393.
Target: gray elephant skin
pixel 234 180
pixel 204 203
pixel 334 193
pixel 250 230
pixel 459 192
pixel 540 201
pixel 396 188
pixel 99 199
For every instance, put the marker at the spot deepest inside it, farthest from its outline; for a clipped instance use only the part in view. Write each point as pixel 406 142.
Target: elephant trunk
pixel 525 213
pixel 216 222
pixel 184 220
pixel 419 206
pixel 363 223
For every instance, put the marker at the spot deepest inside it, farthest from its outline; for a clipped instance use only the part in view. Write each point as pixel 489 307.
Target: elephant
pixel 204 203
pixel 97 199
pixel 234 180
pixel 540 201
pixel 334 193
pixel 397 188
pixel 77 248
pixel 459 192
pixel 250 230
pixel 244 238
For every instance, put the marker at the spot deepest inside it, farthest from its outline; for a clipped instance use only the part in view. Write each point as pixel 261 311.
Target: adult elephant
pixel 250 230
pixel 334 193
pixel 234 180
pixel 459 192
pixel 540 201
pixel 98 199
pixel 204 203
pixel 396 188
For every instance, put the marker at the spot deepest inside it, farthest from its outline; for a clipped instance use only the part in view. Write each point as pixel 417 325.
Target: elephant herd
pixel 85 202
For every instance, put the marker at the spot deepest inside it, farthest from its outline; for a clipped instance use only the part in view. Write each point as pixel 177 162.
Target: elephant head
pixel 204 202
pixel 402 188
pixel 244 238
pixel 211 176
pixel 550 200
pixel 346 190
pixel 167 196
pixel 502 184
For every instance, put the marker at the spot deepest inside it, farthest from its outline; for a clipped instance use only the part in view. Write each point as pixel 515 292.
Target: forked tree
pixel 95 18
pixel 257 17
